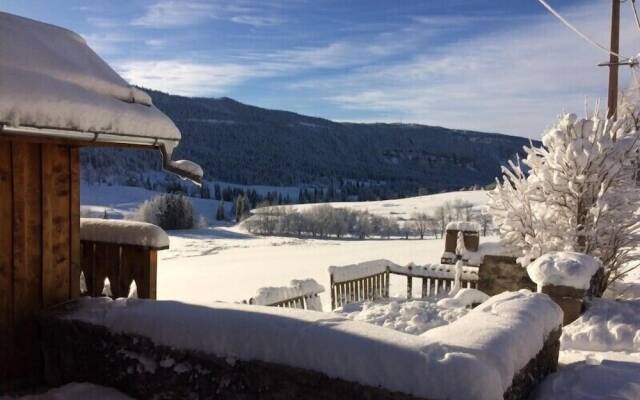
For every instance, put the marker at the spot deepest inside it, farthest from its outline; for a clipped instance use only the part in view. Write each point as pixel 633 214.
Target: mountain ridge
pixel 245 144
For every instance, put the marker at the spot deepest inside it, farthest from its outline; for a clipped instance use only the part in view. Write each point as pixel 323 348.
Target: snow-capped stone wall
pixel 499 350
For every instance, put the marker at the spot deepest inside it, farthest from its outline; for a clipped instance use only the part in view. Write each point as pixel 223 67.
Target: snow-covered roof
pixel 54 85
pixel 123 232
pixel 466 226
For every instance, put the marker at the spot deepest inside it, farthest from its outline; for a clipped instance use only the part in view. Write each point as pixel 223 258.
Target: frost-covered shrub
pixel 576 192
pixel 168 211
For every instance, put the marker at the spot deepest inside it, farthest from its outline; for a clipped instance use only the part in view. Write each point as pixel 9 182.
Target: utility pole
pixel 613 60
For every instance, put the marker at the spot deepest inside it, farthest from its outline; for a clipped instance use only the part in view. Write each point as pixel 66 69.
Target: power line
pixel 577 32
pixel 635 12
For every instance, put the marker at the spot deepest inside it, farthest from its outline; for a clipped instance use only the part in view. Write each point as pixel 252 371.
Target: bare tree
pixel 420 223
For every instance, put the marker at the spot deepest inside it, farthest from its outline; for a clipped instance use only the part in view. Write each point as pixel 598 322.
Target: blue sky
pixel 493 65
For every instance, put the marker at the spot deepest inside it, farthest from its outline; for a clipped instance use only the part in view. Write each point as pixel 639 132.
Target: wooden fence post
pixel 409 283
pixel 333 294
pixel 386 283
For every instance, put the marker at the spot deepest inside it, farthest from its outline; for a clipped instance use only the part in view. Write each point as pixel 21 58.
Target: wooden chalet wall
pixel 39 247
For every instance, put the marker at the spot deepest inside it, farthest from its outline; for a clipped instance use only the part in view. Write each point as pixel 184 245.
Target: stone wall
pixel 570 299
pixel 82 352
pixel 498 274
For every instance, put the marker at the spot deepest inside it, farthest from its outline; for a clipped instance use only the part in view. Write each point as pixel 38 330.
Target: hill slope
pixel 238 143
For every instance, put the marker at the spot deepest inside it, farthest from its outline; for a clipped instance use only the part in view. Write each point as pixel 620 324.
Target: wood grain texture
pixel 107 264
pixel 27 257
pixel 6 262
pixel 74 222
pixel 56 260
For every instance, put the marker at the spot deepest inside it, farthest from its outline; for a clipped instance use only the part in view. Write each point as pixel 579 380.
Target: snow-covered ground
pixel 414 317
pixel 403 208
pixel 600 353
pixel 227 264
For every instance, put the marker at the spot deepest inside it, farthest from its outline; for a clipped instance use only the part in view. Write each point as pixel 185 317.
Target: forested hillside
pixel 244 144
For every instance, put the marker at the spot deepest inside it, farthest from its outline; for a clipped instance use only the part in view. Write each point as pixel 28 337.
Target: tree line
pixel 325 221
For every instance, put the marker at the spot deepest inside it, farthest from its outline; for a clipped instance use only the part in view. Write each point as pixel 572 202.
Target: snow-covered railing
pixel 359 282
pixel 370 280
pixel 301 294
pixel 116 253
pixel 168 349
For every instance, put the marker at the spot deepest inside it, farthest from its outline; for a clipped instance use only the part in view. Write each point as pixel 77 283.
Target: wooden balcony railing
pixel 122 252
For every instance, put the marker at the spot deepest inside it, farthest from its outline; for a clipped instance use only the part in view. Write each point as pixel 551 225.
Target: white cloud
pixel 179 13
pixel 515 81
pixel 107 43
pixel 197 78
pixel 172 13
pixel 256 20
pixel 183 76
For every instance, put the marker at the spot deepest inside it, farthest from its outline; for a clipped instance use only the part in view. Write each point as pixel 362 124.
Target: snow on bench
pixel 299 294
pixel 475 357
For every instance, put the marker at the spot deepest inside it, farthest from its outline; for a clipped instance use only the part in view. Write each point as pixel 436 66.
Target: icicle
pixel 133 290
pixel 83 283
pixel 106 290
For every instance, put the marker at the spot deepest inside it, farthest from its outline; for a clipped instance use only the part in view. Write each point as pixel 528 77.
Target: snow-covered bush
pixel 576 192
pixel 168 211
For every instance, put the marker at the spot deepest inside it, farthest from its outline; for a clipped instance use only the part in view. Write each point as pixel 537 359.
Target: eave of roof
pixel 54 86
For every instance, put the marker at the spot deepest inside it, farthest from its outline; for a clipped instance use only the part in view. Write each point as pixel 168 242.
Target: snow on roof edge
pixel 53 82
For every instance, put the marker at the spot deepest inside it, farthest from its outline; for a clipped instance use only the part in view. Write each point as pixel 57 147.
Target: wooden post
pixel 613 59
pixel 386 284
pixel 425 288
pixel 333 292
pixel 409 283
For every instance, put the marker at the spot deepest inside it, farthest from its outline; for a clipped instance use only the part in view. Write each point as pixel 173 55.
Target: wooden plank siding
pixel 27 257
pixel 39 213
pixel 6 261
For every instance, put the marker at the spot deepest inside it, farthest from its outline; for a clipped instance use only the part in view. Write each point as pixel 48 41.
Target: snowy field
pixel 228 264
pixel 403 208
pixel 600 351
pixel 225 263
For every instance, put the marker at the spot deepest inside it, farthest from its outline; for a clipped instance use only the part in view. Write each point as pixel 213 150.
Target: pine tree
pixel 220 211
pixel 239 208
